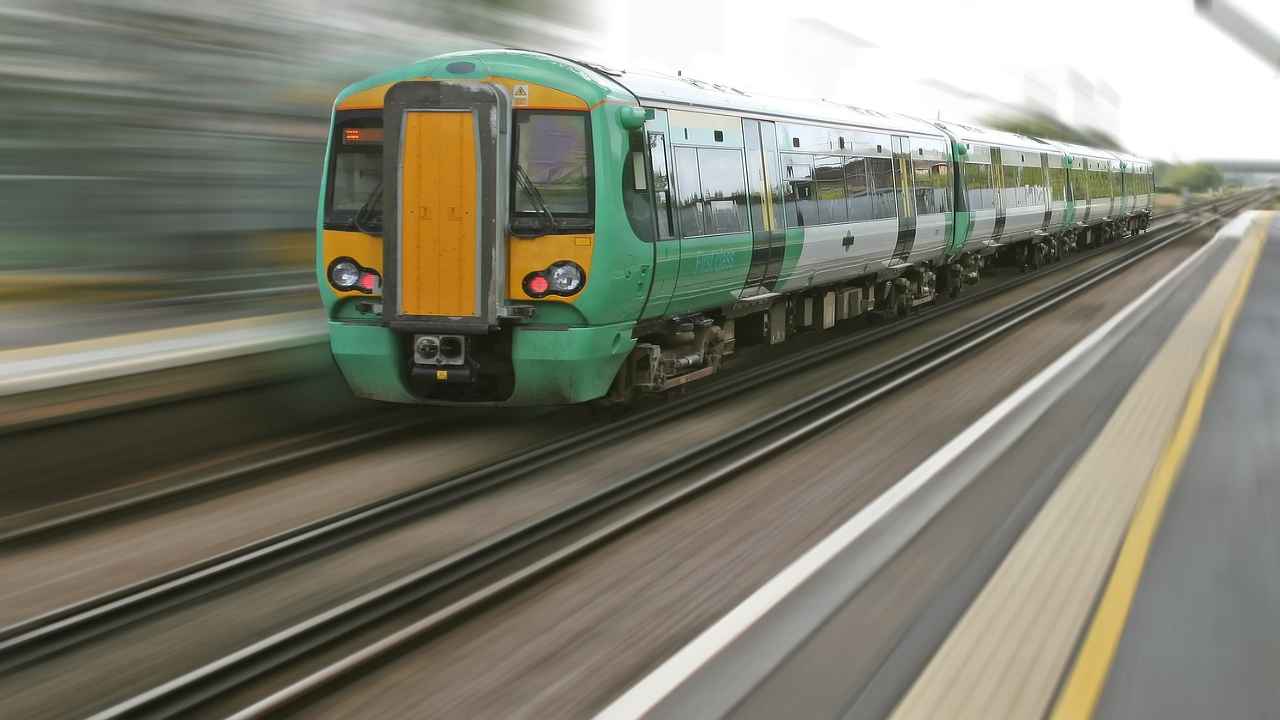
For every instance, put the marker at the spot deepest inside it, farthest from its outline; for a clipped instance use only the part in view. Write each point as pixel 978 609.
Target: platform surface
pixel 1148 583
pixel 1202 639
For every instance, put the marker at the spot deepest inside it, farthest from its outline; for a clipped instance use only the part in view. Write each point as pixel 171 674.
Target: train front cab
pixel 467 290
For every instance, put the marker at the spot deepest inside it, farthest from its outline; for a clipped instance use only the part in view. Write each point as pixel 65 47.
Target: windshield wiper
pixel 365 212
pixel 531 190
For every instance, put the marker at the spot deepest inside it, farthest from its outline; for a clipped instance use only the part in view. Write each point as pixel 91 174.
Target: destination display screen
pixel 361 136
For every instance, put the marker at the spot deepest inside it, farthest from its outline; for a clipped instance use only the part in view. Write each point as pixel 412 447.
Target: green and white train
pixel 517 228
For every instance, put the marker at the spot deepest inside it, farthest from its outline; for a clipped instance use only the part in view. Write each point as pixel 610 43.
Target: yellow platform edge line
pixel 1088 676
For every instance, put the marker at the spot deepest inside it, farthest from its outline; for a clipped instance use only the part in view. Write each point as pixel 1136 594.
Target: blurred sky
pixel 1160 78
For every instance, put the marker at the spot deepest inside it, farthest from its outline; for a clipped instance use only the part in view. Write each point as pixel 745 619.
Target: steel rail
pixel 714 460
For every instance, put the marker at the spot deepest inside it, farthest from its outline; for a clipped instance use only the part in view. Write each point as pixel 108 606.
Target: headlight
pixel 562 278
pixel 344 273
pixel 565 278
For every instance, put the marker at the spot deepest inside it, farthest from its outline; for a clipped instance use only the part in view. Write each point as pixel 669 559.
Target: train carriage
pixel 1138 187
pixel 509 227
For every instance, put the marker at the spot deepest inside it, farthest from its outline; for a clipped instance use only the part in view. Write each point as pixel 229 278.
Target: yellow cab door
pixel 443 153
pixel 438 214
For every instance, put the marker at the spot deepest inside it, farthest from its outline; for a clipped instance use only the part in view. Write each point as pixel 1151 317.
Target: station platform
pixel 47 384
pixel 1202 636
pixel 1147 585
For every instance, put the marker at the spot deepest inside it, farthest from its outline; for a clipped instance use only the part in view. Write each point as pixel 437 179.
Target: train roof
pixel 680 92
pixel 1001 138
pixel 1090 152
pixel 974 133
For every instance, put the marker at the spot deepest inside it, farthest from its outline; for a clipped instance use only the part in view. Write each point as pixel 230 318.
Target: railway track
pixel 313 448
pixel 630 500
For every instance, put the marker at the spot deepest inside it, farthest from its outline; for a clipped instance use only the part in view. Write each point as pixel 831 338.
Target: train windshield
pixel 551 172
pixel 355 176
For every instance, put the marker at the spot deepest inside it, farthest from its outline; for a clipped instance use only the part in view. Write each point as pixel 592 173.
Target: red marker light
pixel 537 285
pixel 368 282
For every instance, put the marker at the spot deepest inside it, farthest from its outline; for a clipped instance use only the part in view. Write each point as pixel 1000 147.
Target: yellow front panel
pixel 365 249
pixel 526 255
pixel 438 215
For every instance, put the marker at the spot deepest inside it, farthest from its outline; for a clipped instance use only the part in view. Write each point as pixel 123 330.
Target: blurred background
pixel 157 152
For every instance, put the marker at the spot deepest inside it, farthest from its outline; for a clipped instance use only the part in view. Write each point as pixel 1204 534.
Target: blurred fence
pixel 150 135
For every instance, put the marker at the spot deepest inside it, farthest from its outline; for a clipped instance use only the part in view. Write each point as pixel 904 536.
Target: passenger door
pixel 764 197
pixel 902 178
pixel 666 247
pixel 713 219
pixel 998 194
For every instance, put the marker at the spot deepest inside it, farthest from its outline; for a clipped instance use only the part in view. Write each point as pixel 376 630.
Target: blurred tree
pixel 1192 177
pixel 1050 128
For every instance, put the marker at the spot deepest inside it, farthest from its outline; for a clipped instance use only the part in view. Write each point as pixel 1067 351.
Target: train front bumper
pixel 551 366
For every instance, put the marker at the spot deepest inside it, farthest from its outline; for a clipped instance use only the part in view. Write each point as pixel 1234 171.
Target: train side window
pixel 924 196
pixel 880 177
pixel 661 185
pixel 977 180
pixel 636 197
pixel 724 190
pixel 688 192
pixel 1079 185
pixel 797 172
pixel 932 180
pixel 940 180
pixel 712 190
pixel 830 189
pixel 1058 183
pixel 1033 185
pixel 855 181
pixel 1013 186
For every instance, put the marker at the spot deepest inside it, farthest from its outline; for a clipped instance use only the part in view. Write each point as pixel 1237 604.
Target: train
pixel 516 228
